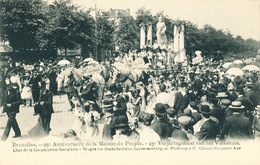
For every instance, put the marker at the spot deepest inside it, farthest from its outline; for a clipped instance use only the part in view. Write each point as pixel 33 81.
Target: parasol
pixel 251 68
pixel 234 72
pixel 227 64
pixel 88 59
pixel 238 62
pixel 63 62
pixel 28 67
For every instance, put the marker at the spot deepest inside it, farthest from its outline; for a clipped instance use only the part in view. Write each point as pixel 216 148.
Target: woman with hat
pixel 236 126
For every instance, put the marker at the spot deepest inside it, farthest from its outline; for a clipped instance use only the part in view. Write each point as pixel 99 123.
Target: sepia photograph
pixel 129 82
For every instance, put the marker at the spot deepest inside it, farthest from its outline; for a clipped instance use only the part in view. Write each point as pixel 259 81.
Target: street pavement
pixel 61 120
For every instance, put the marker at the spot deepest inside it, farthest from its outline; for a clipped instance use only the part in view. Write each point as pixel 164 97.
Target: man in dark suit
pixel 160 125
pixel 35 83
pixel 11 105
pixel 248 105
pixel 181 100
pixel 206 129
pixel 46 101
pixel 236 126
pixel 195 93
pixel 119 100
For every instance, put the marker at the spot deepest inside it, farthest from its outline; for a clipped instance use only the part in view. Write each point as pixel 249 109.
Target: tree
pixel 105 31
pixel 21 20
pixel 127 34
pixel 67 27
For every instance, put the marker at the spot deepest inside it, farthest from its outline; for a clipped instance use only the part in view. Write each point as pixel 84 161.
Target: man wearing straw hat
pixel 236 126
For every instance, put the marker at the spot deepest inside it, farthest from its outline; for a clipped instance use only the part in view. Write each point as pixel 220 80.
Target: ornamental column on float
pixel 149 35
pixel 179 48
pixel 142 36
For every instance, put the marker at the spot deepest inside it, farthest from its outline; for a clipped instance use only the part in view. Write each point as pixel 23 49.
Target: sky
pixel 239 17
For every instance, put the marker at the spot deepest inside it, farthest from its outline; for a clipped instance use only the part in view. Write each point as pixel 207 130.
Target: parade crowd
pixel 194 103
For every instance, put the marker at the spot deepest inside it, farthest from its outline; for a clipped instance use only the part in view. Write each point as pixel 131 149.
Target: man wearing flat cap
pixel 236 126
pixel 206 129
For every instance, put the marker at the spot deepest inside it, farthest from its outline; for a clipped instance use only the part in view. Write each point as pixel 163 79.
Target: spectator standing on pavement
pixel 35 83
pixel 46 110
pixel 11 105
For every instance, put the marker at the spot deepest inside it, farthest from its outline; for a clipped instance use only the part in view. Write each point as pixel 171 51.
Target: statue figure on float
pixel 160 33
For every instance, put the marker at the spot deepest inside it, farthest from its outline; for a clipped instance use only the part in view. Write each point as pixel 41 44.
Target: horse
pixel 124 74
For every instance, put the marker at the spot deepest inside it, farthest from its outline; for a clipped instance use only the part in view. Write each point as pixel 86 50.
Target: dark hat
pixel 211 96
pixel 160 109
pixel 204 109
pixel 184 120
pixel 236 105
pixel 222 95
pixel 113 87
pixel 214 89
pixel 121 121
pixel 225 101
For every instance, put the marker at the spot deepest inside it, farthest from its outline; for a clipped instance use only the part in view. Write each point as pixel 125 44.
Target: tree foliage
pixel 21 19
pixel 33 24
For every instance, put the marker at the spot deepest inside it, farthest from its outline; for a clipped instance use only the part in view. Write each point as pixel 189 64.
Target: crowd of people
pixel 194 103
